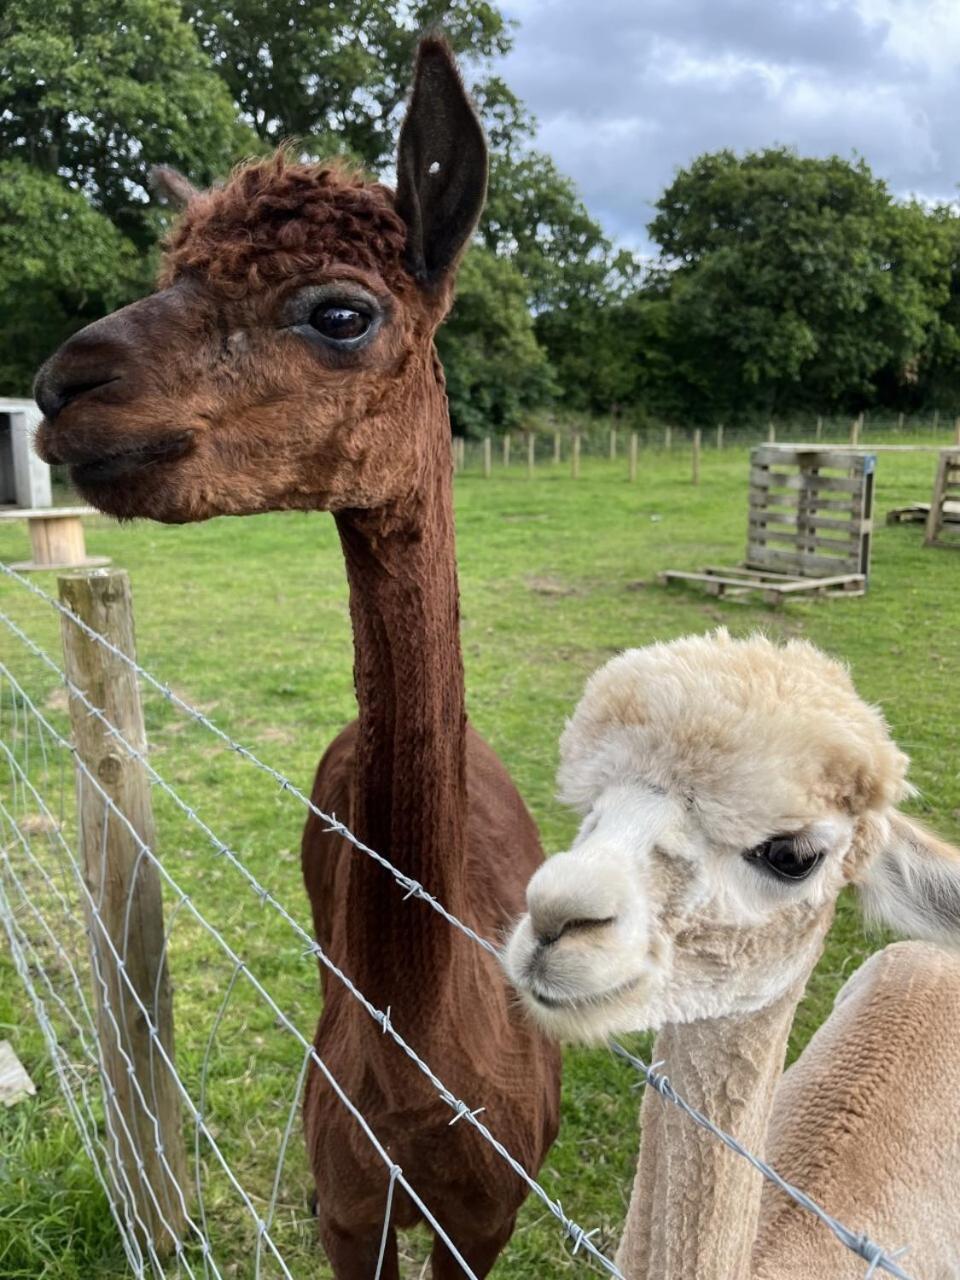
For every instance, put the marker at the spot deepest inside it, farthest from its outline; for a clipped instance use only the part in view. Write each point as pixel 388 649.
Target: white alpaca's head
pixel 730 789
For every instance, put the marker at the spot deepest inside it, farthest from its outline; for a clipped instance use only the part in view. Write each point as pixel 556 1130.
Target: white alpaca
pixel 731 789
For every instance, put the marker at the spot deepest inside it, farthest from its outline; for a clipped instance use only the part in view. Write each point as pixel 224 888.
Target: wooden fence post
pixel 487 457
pixel 819 426
pixel 695 476
pixel 855 427
pixel 771 433
pixel 613 444
pixel 128 917
pixel 936 419
pixel 556 448
pixel 900 422
pixel 575 456
pixel 531 453
pixel 633 457
pixel 506 448
pixel 667 437
pixel 956 430
pixel 719 435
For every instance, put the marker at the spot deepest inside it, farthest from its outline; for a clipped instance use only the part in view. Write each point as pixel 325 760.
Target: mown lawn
pixel 248 620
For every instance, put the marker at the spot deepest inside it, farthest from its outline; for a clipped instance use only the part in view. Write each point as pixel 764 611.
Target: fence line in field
pixel 546 450
pixel 29 960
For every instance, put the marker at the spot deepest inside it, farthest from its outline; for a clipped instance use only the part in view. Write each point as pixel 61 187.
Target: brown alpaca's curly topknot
pixel 275 220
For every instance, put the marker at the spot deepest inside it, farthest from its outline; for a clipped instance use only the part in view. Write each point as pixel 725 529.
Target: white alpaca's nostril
pixel 579 924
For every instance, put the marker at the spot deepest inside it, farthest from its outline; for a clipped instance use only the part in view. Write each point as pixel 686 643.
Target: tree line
pixel 783 283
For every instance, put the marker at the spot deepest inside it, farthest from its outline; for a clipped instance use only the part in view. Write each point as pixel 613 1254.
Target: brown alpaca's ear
pixel 913 886
pixel 173 186
pixel 441 165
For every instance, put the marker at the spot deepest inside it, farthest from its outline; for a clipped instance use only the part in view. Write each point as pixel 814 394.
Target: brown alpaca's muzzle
pixel 95 394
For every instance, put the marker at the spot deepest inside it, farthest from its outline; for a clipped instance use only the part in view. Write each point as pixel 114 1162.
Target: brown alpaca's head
pixel 286 359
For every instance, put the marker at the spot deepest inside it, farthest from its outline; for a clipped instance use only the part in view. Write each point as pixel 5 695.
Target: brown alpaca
pixel 287 360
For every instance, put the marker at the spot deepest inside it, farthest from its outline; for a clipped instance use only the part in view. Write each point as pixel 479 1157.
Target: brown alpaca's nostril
pixel 54 389
pixel 574 926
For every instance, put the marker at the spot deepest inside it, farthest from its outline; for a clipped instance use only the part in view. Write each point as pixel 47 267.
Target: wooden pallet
pixel 946 493
pixel 918 513
pixel 809 526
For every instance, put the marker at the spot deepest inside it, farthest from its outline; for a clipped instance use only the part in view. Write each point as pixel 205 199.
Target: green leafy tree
pixel 934 378
pixel 795 281
pixel 96 93
pixel 62 263
pixel 333 73
pixel 90 96
pixel 496 371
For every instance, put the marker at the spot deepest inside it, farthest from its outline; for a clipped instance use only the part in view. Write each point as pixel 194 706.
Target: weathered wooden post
pixel 936 419
pixel 667 438
pixel 531 453
pixel 462 452
pixel 613 444
pixel 819 426
pixel 575 456
pixel 695 475
pixel 719 435
pixel 956 430
pixel 771 433
pixel 900 423
pixel 506 448
pixel 128 917
pixel 855 426
pixel 487 457
pixel 633 457
pixel 556 448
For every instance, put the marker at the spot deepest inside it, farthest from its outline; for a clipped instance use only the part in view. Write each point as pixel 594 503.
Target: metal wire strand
pixel 876 1257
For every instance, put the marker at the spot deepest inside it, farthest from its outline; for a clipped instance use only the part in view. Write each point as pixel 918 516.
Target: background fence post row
pixel 126 888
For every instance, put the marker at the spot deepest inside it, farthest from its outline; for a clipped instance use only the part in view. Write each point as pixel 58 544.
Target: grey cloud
pixel 625 93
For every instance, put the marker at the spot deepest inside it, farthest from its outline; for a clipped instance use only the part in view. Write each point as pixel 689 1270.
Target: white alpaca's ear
pixel 913 885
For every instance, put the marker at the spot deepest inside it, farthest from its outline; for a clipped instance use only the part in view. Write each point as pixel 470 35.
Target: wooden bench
pixel 946 495
pixel 809 526
pixel 56 537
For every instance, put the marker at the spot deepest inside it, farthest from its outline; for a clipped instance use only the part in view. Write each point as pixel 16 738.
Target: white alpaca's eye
pixel 786 857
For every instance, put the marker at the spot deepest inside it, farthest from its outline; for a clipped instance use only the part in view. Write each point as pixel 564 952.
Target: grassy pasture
pixel 248 620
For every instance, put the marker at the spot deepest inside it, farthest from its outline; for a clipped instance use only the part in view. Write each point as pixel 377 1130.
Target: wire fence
pixel 191 1211
pixel 562 450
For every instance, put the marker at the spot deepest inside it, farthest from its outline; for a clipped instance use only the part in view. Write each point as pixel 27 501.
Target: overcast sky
pixel 625 91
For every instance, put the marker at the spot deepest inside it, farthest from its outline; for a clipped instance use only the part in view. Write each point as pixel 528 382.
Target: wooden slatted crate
pixel 942 530
pixel 809 525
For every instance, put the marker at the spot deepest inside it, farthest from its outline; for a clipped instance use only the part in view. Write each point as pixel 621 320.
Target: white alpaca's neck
pixel 695 1205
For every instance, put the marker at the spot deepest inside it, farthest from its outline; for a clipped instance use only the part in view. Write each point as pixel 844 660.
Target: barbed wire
pixel 150 1021
pixel 460 1108
pixel 859 1244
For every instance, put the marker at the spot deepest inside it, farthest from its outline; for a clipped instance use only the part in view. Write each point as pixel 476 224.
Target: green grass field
pixel 248 620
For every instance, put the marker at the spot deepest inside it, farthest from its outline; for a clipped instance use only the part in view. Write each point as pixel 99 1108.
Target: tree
pixel 795 281
pixel 333 73
pixel 77 268
pixel 96 93
pixel 496 372
pixel 90 96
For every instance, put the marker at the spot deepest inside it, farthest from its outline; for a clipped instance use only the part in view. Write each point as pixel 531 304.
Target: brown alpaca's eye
pixel 340 323
pixel 786 857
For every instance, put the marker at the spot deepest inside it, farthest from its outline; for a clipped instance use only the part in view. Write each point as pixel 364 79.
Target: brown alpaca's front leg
pixel 479 1253
pixel 353 1255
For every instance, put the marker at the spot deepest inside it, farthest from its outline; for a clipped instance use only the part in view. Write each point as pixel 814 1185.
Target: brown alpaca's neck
pixel 409 784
